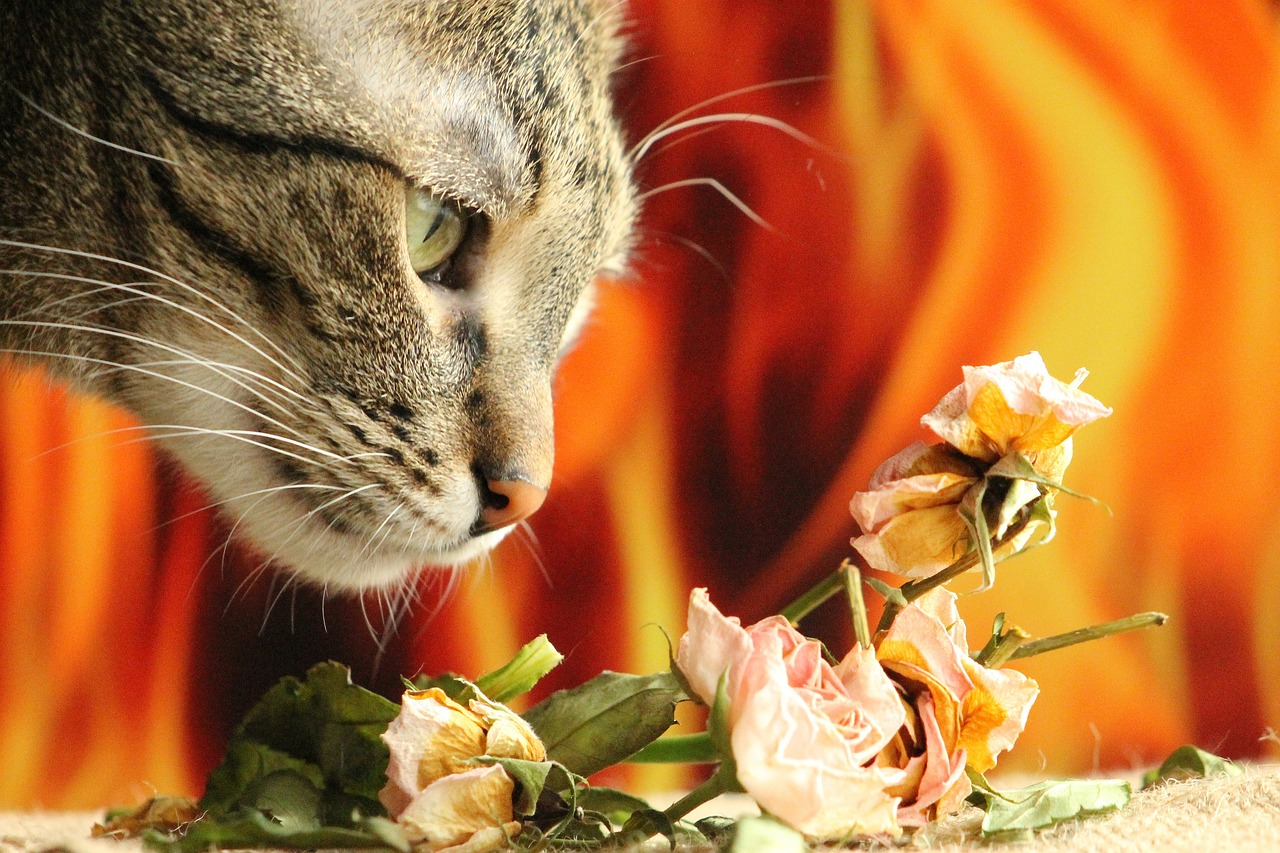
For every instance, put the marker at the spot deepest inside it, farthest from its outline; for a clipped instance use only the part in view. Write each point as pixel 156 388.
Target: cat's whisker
pixel 66 125
pixel 184 358
pixel 143 368
pixel 646 141
pixel 692 245
pixel 290 582
pixel 242 496
pixel 718 187
pixel 136 289
pixel 369 543
pixel 656 136
pixel 534 548
pixel 195 291
pixel 298 524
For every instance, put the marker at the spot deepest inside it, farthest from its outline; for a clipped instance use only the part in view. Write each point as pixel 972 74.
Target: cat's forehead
pixel 478 98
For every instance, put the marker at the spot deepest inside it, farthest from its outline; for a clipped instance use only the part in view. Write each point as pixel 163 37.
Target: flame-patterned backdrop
pixel 943 184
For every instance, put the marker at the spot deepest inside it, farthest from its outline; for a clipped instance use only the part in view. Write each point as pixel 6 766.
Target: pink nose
pixel 509 501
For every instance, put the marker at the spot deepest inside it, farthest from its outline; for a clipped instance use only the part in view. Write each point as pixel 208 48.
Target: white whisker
pixel 66 125
pixel 744 118
pixel 184 286
pixel 718 187
pixel 745 90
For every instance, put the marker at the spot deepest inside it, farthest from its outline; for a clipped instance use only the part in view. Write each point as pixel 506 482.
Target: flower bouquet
pixel 892 735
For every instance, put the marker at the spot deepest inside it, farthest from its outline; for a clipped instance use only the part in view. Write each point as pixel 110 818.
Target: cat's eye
pixel 436 228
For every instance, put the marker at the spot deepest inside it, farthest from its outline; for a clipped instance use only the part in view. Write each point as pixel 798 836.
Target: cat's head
pixel 389 215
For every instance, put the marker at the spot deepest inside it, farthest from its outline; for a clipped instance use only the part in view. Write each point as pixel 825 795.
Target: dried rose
pixel 913 516
pixel 804 735
pixel 1014 407
pixel 958 712
pixel 435 790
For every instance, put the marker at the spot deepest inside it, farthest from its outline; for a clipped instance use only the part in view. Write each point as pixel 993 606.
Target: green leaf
pixel 975 518
pixel 522 672
pixel 891 594
pixel 290 799
pixel 244 764
pixel 1048 803
pixel 451 684
pixel 323 725
pixel 1190 762
pixel 718 731
pixel 617 806
pixel 602 722
pixel 1015 466
pixel 534 779
pixel 644 824
pixel 997 632
pixel 252 829
pixel 753 834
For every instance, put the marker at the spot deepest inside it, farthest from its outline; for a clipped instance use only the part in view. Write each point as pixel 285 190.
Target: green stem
pixel 704 793
pixel 678 749
pixel 1005 648
pixel 826 588
pixel 857 605
pixel 913 590
pixel 1084 635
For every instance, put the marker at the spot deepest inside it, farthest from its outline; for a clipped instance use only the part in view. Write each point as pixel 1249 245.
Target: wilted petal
pixel 800 766
pixel 451 810
pixel 486 840
pixel 950 421
pixel 916 544
pixel 994 713
pixel 878 706
pixel 509 736
pixel 431 737
pixel 710 646
pixel 943 769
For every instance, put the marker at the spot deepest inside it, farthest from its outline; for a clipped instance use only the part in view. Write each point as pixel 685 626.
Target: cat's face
pixel 396 210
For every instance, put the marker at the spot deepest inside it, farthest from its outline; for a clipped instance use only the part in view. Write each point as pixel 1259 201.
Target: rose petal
pixel 943 768
pixel 799 765
pixel 451 810
pixel 994 713
pixel 917 543
pixel 486 840
pixel 431 737
pixel 508 736
pixel 710 646
pixel 879 707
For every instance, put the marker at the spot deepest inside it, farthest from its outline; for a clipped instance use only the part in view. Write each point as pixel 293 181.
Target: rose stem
pixel 678 749
pixel 1009 643
pixel 1084 635
pixel 857 606
pixel 829 586
pixel 913 590
pixel 704 793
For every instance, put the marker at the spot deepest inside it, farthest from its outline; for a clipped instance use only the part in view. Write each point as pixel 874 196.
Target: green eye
pixel 436 228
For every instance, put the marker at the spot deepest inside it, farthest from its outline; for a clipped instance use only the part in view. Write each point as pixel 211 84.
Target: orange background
pixel 1094 180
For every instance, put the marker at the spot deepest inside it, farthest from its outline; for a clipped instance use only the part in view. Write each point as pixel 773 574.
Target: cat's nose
pixel 504 502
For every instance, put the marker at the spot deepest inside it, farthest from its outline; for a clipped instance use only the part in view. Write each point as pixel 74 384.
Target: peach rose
pixel 804 735
pixel 909 517
pixel 435 791
pixel 958 712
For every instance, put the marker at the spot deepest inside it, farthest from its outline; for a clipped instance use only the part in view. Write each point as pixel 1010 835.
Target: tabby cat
pixel 329 251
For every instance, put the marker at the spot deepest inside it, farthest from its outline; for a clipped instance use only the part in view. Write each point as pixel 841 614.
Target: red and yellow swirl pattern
pixel 1099 181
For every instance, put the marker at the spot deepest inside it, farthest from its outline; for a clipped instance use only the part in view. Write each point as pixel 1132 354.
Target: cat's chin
pixel 342 569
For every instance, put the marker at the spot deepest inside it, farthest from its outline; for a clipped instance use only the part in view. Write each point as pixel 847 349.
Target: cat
pixel 330 252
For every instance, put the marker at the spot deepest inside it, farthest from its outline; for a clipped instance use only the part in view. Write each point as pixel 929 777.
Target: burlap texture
pixel 1224 814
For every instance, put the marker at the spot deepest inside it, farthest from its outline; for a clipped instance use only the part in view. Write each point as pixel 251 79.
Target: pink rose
pixel 958 712
pixel 804 735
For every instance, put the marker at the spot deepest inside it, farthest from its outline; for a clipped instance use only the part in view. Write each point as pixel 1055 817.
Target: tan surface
pixel 1234 814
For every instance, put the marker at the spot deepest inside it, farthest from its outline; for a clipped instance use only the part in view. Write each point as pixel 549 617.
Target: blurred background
pixel 1094 180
